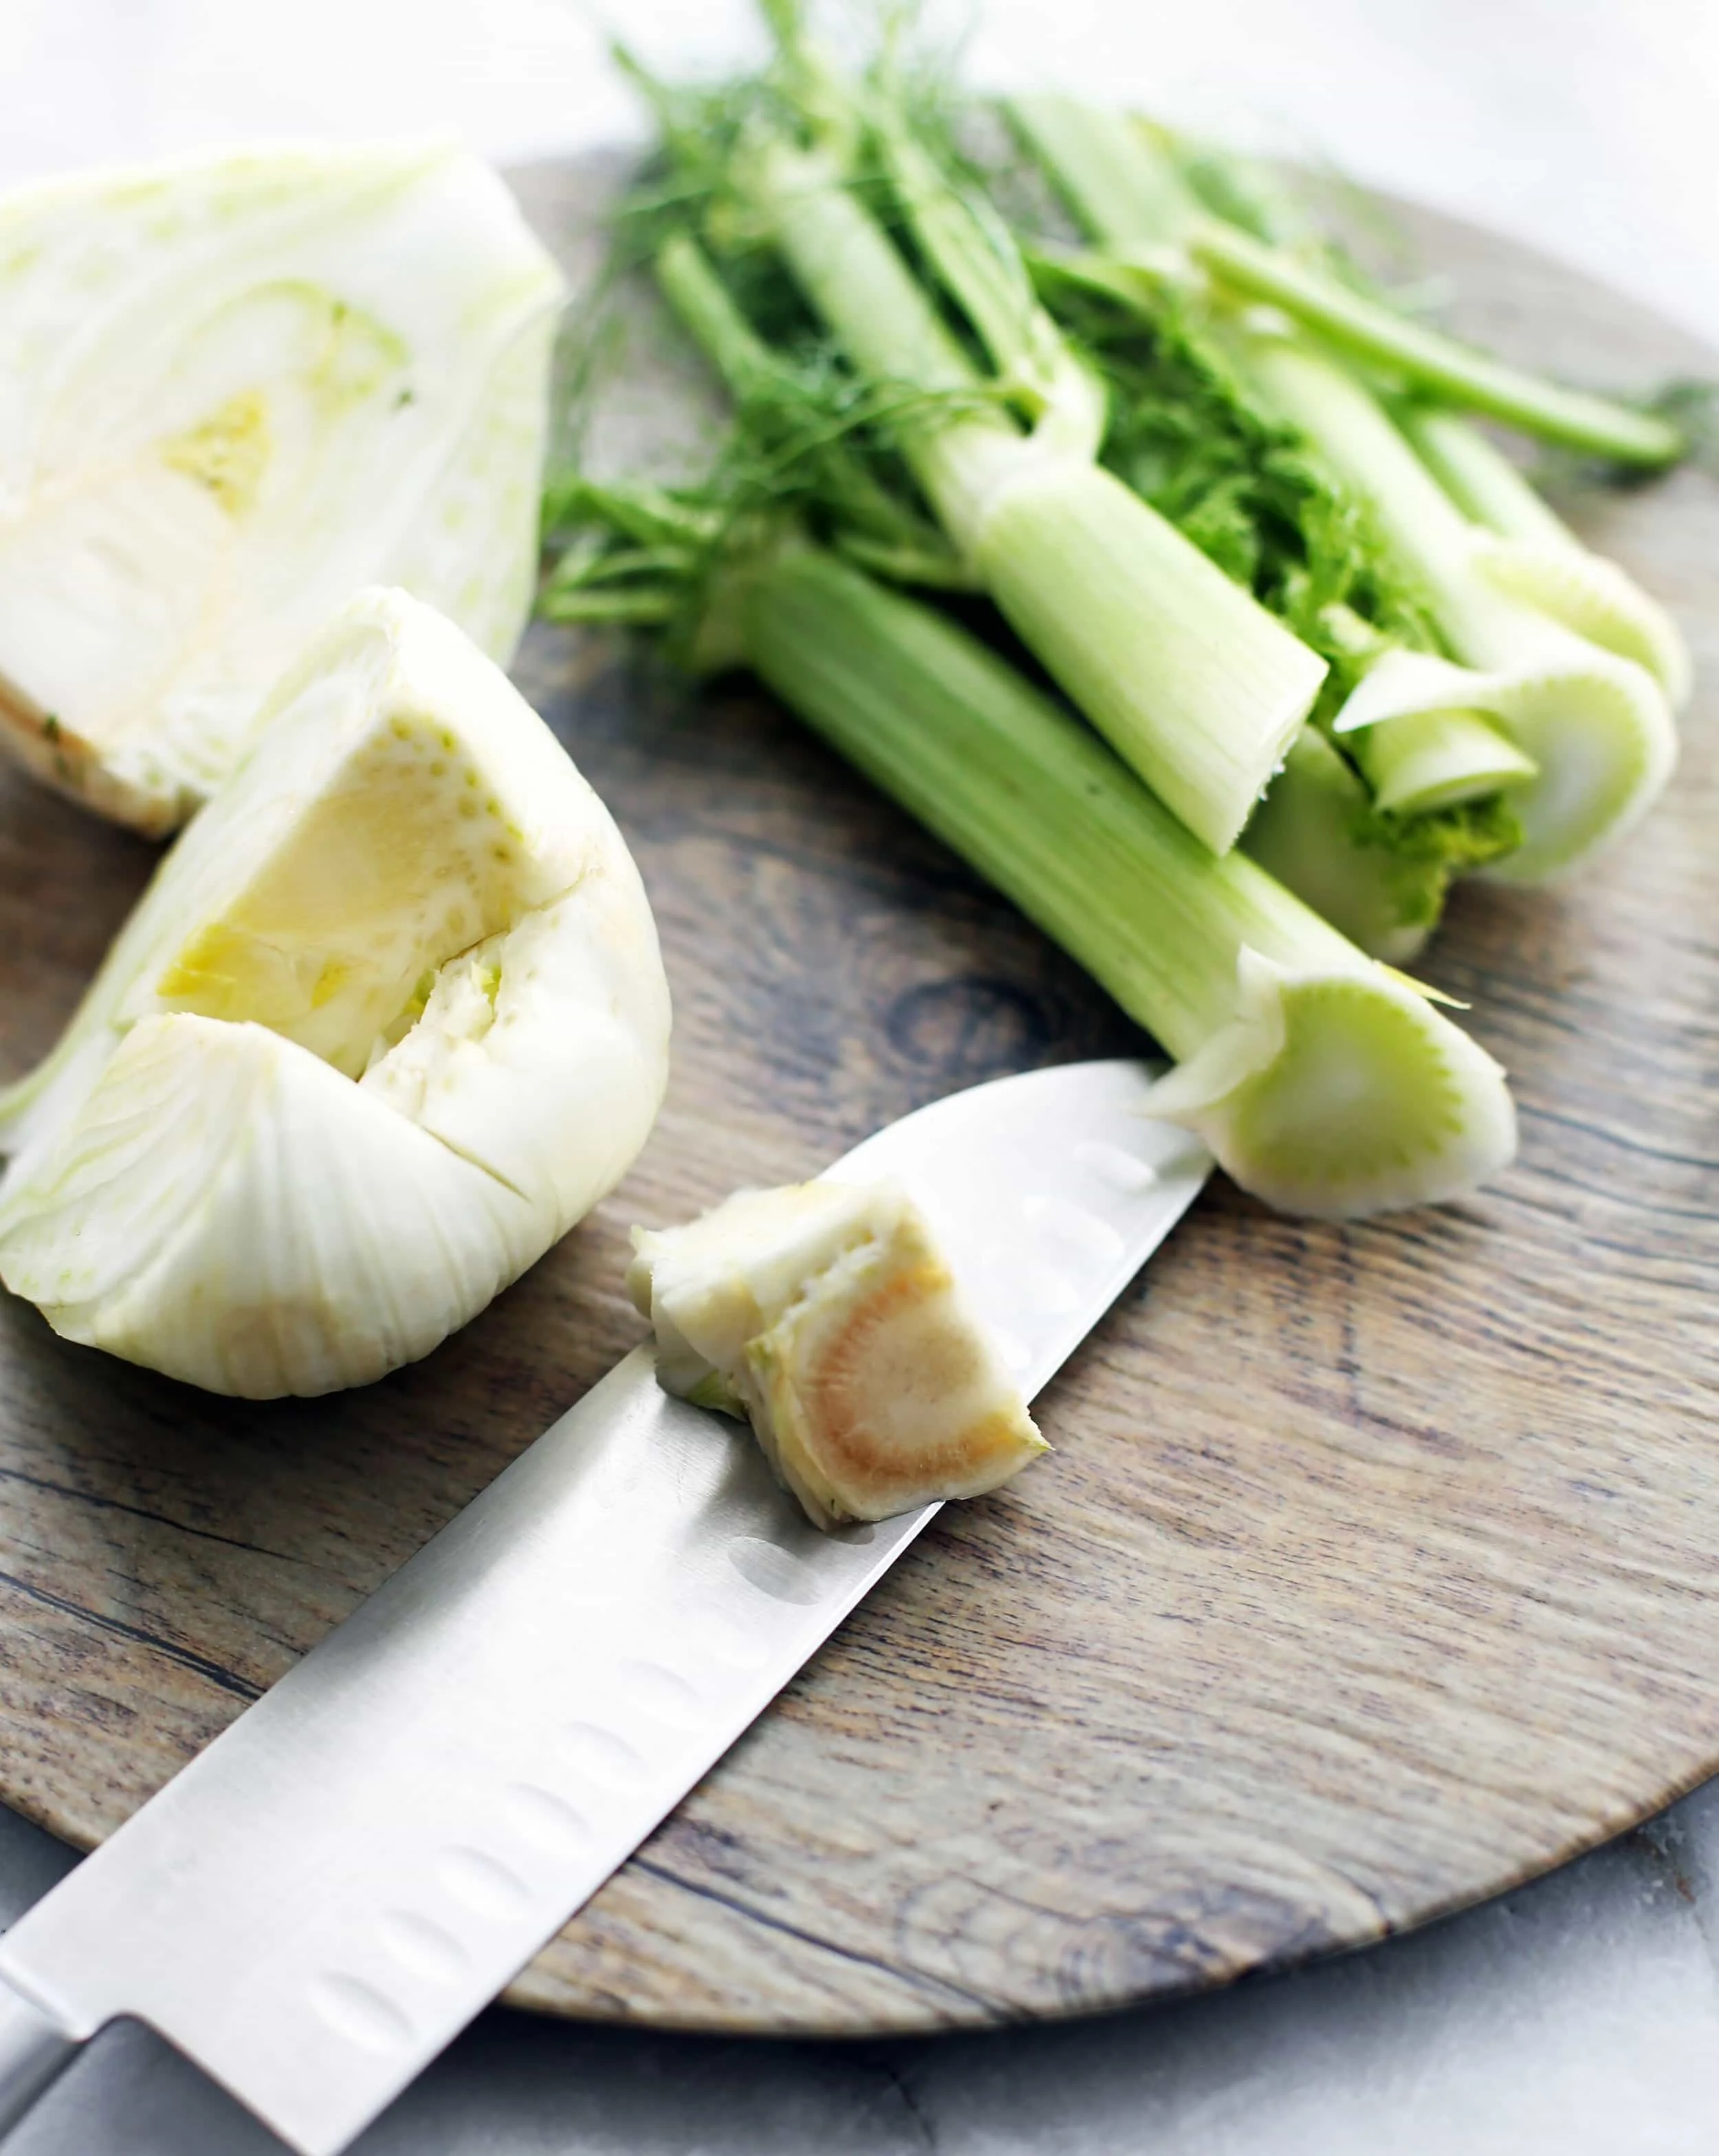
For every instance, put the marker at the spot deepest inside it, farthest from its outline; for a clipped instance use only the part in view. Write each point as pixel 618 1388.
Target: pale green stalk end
pixel 1195 684
pixel 1599 728
pixel 1596 726
pixel 1338 1094
pixel 1598 602
pixel 1591 729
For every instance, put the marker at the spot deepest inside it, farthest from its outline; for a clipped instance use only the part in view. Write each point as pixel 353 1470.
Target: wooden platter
pixel 1378 1566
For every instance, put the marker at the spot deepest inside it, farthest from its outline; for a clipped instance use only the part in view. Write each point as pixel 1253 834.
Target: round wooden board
pixel 1378 1568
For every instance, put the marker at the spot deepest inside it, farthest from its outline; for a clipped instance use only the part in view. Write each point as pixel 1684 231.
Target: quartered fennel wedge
pixel 237 388
pixel 823 1314
pixel 390 1018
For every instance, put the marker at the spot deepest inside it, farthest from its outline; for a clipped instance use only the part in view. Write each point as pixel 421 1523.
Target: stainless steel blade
pixel 319 1903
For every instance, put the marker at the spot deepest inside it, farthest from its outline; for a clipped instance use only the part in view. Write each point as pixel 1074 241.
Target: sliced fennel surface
pixel 823 1314
pixel 1323 1083
pixel 388 1020
pixel 237 388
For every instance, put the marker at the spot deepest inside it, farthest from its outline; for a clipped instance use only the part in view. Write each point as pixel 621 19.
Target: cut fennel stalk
pixel 1318 834
pixel 1596 724
pixel 1234 477
pixel 388 1019
pixel 1382 885
pixel 240 388
pixel 1322 1082
pixel 1130 196
pixel 1198 688
pixel 1536 556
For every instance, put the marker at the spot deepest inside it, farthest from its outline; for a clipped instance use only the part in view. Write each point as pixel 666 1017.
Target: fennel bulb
pixel 388 1020
pixel 233 390
pixel 823 1314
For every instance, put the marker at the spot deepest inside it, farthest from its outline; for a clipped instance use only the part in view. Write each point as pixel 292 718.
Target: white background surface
pixel 1589 127
pixel 1580 2018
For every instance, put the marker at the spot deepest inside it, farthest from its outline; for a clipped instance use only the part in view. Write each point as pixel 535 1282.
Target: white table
pixel 1580 2017
pixel 1588 127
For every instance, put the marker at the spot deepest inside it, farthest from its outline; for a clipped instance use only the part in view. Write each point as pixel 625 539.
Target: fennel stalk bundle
pixel 1218 640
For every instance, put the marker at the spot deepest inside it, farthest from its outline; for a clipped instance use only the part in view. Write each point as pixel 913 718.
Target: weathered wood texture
pixel 1378 1568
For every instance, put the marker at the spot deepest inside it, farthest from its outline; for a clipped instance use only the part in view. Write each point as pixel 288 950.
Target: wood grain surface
pixel 1378 1568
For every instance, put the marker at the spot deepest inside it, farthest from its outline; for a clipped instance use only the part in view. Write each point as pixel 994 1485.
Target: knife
pixel 316 1905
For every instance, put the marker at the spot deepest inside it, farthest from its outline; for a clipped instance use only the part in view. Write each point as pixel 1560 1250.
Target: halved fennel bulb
pixel 389 1019
pixel 234 390
pixel 823 1313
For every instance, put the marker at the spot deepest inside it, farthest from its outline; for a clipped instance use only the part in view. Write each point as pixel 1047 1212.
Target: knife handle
pixel 34 2052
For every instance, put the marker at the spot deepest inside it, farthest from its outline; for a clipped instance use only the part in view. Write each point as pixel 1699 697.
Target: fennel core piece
pixel 823 1314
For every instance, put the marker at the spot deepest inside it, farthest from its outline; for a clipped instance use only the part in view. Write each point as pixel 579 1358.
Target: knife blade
pixel 318 1903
